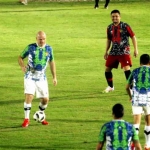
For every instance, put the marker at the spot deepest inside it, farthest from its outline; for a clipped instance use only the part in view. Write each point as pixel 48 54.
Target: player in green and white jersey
pixel 140 79
pixel 118 134
pixel 39 56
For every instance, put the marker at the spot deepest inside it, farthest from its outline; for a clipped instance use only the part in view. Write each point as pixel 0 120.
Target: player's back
pixel 119 135
pixel 141 77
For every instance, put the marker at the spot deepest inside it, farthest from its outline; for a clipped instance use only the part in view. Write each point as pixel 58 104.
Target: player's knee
pixel 44 101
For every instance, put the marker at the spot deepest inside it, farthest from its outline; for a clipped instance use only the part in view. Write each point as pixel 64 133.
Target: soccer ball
pixel 39 116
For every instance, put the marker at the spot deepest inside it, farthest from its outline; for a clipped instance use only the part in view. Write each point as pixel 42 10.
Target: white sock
pixel 137 126
pixel 42 107
pixel 147 135
pixel 27 108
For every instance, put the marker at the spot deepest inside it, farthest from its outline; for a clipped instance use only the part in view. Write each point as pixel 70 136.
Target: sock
pixel 147 135
pixel 127 74
pixel 137 126
pixel 27 108
pixel 108 76
pixel 42 107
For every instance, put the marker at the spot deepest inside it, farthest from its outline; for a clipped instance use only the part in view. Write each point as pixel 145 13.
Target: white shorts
pixel 39 87
pixel 137 110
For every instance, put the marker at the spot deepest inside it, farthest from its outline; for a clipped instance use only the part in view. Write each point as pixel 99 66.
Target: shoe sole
pixel 45 124
pixel 24 3
pixel 25 126
pixel 107 92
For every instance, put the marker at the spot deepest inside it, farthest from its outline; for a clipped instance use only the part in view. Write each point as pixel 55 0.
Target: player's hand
pixel 105 56
pixel 135 53
pixel 24 68
pixel 55 81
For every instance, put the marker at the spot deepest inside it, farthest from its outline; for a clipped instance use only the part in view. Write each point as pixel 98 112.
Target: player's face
pixel 41 40
pixel 115 18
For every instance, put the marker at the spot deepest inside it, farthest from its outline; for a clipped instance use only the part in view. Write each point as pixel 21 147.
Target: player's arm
pixel 129 83
pixel 134 41
pixel 133 38
pixel 21 63
pixel 128 91
pixel 101 138
pixel 53 71
pixel 21 57
pixel 100 146
pixel 108 43
pixel 137 145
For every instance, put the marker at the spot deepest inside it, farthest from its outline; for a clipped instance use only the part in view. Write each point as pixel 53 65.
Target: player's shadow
pixel 78 120
pixel 8 102
pixel 23 147
pixel 84 95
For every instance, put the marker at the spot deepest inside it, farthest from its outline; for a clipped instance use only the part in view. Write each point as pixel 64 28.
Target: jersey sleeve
pixel 25 52
pixel 52 55
pixel 129 30
pixel 102 134
pixel 109 35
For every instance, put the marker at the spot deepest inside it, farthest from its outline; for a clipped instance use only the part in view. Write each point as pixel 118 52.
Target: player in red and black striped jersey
pixel 118 34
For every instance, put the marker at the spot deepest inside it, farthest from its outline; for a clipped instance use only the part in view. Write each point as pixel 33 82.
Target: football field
pixel 77 107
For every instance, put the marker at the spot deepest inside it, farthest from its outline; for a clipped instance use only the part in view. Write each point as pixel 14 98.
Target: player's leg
pixel 136 110
pixel 111 63
pixel 106 4
pixel 127 71
pixel 96 4
pixel 137 120
pixel 109 76
pixel 29 86
pixel 126 63
pixel 147 128
pixel 27 108
pixel 43 94
pixel 43 106
pixel 25 2
pixel 109 79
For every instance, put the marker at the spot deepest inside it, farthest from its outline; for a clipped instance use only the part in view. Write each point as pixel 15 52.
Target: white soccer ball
pixel 39 116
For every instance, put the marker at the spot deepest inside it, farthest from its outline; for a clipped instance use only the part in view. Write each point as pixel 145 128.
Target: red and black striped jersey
pixel 119 36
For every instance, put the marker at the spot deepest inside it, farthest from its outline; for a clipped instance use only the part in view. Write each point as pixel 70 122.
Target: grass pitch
pixel 77 109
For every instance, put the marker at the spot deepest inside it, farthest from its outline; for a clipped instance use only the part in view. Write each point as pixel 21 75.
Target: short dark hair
pixel 115 11
pixel 145 59
pixel 118 110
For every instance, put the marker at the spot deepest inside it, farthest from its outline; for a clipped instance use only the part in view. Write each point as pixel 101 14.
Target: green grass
pixel 77 33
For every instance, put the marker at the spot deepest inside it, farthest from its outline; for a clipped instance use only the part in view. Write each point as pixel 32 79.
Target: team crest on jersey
pixel 46 53
pixel 121 30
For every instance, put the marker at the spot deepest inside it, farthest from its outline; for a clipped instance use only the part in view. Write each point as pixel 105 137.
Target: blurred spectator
pixel 25 2
pixel 97 4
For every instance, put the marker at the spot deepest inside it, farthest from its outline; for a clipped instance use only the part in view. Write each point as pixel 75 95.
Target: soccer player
pixel 118 34
pixel 118 133
pixel 39 55
pixel 140 79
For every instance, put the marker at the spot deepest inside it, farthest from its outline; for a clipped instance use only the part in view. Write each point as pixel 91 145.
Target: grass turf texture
pixel 77 109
